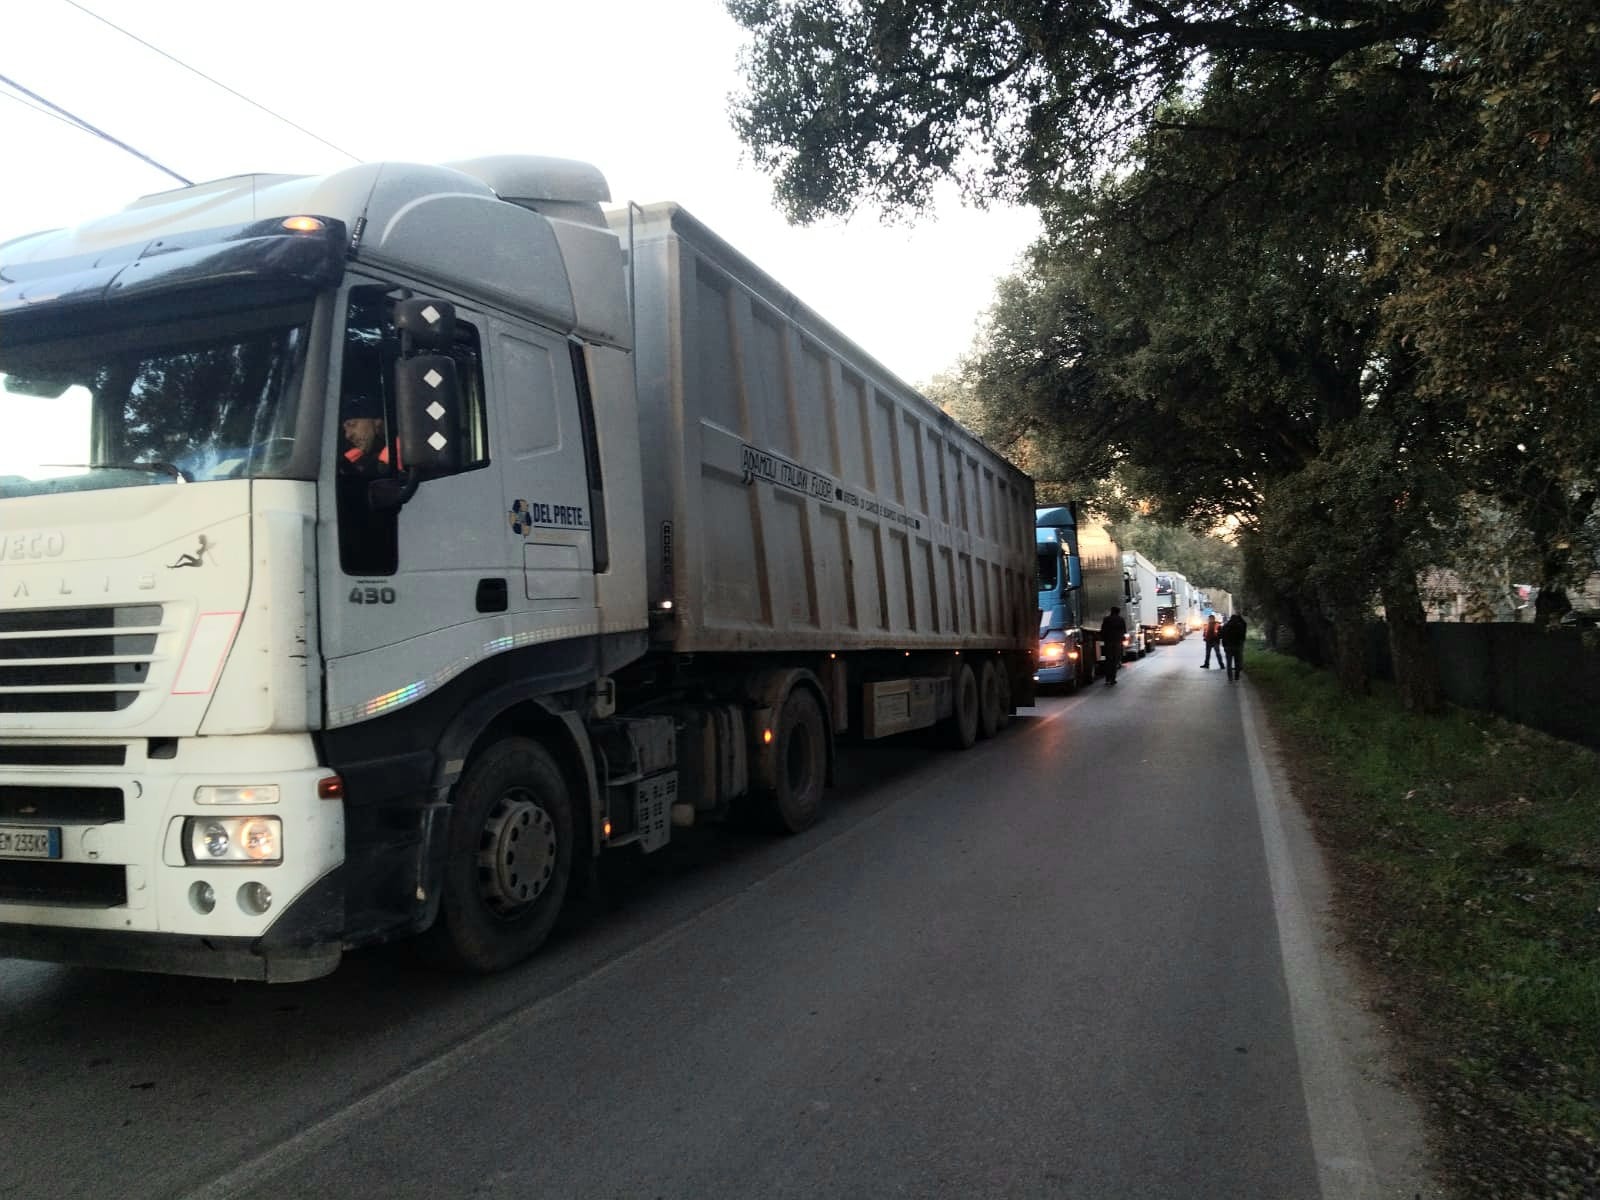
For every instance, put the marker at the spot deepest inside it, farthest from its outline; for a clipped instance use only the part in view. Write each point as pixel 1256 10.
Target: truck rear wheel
pixel 988 699
pixel 512 842
pixel 1002 676
pixel 960 729
pixel 801 771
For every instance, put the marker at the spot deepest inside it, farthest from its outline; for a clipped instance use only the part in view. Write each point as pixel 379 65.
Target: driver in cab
pixel 367 452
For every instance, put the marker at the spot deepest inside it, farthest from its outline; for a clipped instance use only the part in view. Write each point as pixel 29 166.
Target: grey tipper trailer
pixel 424 587
pixel 797 495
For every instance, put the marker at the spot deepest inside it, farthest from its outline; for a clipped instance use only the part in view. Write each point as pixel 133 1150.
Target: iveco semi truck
pixel 381 548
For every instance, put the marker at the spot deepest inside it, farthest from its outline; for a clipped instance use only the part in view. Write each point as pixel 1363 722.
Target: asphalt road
pixel 1051 966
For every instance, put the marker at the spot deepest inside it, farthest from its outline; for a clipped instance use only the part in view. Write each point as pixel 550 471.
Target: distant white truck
pixel 381 548
pixel 1142 615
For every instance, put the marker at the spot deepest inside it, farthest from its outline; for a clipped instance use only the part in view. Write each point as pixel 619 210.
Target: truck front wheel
pixel 512 842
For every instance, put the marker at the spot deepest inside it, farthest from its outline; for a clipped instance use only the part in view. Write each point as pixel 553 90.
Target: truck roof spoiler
pixel 563 188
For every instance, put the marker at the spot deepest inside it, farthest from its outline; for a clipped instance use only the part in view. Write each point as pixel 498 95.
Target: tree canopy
pixel 1324 268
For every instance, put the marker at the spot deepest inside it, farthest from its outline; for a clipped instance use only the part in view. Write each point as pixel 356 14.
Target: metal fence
pixel 1546 679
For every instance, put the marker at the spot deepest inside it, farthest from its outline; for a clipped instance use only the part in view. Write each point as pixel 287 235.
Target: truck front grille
pixel 81 885
pixel 55 660
pixel 33 754
pixel 60 805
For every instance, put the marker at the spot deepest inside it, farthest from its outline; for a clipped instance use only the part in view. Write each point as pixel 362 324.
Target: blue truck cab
pixel 1062 659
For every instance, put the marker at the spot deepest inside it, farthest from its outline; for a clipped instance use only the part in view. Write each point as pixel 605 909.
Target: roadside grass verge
pixel 1465 852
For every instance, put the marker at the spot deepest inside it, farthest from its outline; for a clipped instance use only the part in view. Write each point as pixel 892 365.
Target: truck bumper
pixel 304 943
pixel 1053 675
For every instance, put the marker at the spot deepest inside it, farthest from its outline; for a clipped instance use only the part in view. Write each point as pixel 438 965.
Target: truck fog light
pixel 255 898
pixel 251 793
pixel 202 896
pixel 222 840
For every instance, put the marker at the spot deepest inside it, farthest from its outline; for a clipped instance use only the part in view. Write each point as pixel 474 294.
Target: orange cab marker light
pixel 766 737
pixel 330 787
pixel 303 224
pixel 606 828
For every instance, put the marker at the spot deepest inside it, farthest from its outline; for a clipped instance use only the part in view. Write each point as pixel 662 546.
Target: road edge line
pixel 1345 1168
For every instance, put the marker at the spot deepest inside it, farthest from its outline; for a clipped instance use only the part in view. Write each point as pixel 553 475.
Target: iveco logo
pixel 37 543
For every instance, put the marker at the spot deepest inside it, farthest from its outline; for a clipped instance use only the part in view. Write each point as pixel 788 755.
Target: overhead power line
pixel 42 111
pixel 101 133
pixel 209 79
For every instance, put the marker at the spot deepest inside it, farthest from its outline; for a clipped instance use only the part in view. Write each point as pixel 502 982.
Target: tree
pixel 879 99
pixel 1254 299
pixel 1213 354
pixel 1492 232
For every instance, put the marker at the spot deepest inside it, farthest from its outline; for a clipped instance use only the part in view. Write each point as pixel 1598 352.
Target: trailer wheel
pixel 801 770
pixel 988 699
pixel 960 729
pixel 512 841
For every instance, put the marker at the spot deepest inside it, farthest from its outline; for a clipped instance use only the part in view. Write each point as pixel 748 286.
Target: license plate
pixel 29 841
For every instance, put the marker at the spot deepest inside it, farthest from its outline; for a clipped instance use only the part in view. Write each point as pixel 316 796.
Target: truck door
pixel 545 474
pixel 410 596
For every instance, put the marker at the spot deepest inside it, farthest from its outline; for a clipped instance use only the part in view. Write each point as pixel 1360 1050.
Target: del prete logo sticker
pixel 525 515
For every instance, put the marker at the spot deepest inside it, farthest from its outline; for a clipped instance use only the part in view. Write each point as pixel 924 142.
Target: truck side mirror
pixel 428 411
pixel 431 324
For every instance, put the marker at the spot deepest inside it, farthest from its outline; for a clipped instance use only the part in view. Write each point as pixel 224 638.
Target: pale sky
pixel 639 88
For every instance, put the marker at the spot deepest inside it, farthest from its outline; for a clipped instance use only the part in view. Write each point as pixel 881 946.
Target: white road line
pixel 1344 1163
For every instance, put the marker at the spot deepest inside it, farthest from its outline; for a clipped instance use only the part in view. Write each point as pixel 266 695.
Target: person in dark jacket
pixel 1212 634
pixel 1233 645
pixel 1112 630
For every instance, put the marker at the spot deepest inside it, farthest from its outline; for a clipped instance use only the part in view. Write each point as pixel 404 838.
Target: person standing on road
pixel 1233 645
pixel 1212 635
pixel 1112 630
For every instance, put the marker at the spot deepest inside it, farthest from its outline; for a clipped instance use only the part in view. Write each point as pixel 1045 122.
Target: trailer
pixel 461 534
pixel 1219 603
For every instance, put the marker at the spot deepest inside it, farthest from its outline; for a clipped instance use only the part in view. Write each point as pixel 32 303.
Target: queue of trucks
pixel 465 532
pixel 389 545
pixel 1082 573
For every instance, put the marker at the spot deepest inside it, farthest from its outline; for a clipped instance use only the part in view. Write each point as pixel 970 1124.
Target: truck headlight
pixel 233 839
pixel 250 793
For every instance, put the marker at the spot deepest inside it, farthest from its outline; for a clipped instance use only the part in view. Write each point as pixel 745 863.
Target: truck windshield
pixel 148 408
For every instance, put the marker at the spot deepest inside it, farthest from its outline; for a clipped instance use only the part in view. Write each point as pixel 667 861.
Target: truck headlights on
pixel 234 839
pixel 254 793
pixel 1053 649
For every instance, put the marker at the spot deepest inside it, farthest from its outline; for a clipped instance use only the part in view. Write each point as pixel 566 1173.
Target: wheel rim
pixel 517 855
